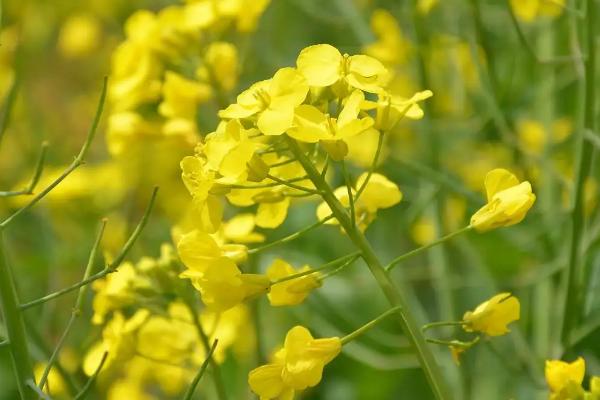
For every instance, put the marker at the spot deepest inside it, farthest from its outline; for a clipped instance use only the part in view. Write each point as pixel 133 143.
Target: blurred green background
pixel 497 103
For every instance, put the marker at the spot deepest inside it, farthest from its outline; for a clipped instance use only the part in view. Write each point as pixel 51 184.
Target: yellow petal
pixel 559 373
pixel 320 64
pixel 497 180
pixel 271 215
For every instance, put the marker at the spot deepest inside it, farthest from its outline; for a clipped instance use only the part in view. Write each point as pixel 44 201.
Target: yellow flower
pixel 293 291
pixel 181 96
pixel 55 384
pixel 559 373
pixel 311 125
pixel 391 109
pixel 199 181
pixel 508 201
pixel 220 65
pixel 323 65
pixel 136 74
pixel 492 316
pixel 228 151
pixel 391 46
pixel 379 193
pixel 532 136
pixel 529 10
pixel 222 285
pixel 116 291
pixel 240 229
pixel 118 340
pixel 198 250
pixel 79 35
pixel 297 366
pixel 272 100
pixel 425 6
pixel 595 385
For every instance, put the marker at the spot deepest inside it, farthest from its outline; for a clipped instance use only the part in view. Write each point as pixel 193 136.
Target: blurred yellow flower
pixel 424 7
pixel 181 97
pixel 508 201
pixel 391 47
pixel 492 316
pixel 559 373
pixel 298 365
pixel 532 136
pixel 119 338
pixel 55 384
pixel 293 291
pixel 323 65
pixel 79 35
pixel 529 10
pixel 220 65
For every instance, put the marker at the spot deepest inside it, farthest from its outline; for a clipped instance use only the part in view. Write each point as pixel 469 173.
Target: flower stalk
pixel 395 298
pixel 574 277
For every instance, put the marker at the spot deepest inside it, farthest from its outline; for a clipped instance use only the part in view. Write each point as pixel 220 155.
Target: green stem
pixel 76 312
pixel 266 185
pixel 39 167
pixel 350 337
pixel 292 185
pixel 373 166
pixel 88 385
pixel 349 258
pixel 192 388
pixel 575 277
pixel 8 106
pixel 395 298
pixel 438 324
pixel 15 327
pixel 217 377
pixel 77 162
pixel 350 194
pixel 421 249
pixel 110 268
pixel 291 237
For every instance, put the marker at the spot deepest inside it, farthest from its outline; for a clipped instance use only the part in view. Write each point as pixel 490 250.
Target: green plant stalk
pixel 574 278
pixel 216 370
pixel 421 249
pixel 395 298
pixel 76 312
pixel 543 291
pixel 190 392
pixel 15 328
pixel 360 331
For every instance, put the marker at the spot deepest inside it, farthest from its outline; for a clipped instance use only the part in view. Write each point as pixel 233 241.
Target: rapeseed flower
pixel 492 316
pixel 508 201
pixel 272 101
pixel 297 366
pixel 323 65
pixel 293 291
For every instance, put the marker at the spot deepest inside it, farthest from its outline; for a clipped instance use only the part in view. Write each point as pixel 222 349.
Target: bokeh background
pixel 507 89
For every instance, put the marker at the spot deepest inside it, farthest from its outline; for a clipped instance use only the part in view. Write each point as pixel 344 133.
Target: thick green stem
pixel 15 328
pixel 395 298
pixel 575 279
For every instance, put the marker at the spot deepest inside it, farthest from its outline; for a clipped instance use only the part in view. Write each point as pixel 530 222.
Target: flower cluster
pixel 149 340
